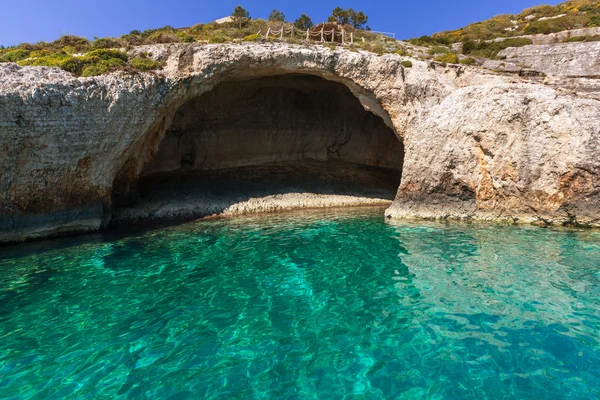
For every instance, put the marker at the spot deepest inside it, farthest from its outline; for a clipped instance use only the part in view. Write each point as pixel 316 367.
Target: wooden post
pixel 322 36
pixel 267 35
pixel 343 34
pixel 281 36
pixel 292 32
pixel 363 38
pixel 307 34
pixel 351 37
pixel 332 34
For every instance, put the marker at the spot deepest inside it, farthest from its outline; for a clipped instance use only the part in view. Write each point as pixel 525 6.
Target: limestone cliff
pixel 473 144
pixel 562 59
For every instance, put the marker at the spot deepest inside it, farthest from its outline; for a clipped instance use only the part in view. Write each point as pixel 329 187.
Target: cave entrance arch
pixel 267 144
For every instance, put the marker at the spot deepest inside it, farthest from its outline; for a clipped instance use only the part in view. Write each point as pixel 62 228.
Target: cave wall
pixel 275 119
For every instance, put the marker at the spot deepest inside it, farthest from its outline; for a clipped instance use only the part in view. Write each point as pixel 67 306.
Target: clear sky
pixel 37 20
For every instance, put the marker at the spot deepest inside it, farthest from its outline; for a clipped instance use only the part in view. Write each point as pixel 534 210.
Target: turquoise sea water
pixel 326 305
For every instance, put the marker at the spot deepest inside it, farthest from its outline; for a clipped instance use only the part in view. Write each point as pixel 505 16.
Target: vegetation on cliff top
pixel 543 19
pixel 479 39
pixel 83 57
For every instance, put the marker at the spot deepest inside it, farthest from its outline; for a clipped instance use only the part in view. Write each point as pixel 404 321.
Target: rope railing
pixel 317 36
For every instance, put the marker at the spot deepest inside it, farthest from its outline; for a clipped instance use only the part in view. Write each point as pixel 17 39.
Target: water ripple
pixel 302 306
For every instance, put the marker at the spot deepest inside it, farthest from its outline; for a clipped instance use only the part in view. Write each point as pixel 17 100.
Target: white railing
pixel 388 34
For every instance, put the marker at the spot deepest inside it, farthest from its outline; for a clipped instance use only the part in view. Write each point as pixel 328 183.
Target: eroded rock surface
pixel 563 59
pixel 476 144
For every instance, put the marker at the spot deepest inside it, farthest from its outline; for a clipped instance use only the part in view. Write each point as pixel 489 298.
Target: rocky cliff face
pixel 563 59
pixel 476 144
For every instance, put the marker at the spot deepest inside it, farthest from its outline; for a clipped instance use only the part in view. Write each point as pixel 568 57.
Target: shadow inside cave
pixel 262 188
pixel 263 145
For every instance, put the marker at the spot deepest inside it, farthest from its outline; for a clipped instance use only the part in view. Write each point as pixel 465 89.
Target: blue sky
pixel 37 20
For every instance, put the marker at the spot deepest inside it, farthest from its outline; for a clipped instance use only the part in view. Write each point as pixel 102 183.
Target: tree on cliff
pixel 357 19
pixel 240 16
pixel 303 23
pixel 277 16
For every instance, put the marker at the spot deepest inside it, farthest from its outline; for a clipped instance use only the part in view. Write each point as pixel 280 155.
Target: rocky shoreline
pixel 474 144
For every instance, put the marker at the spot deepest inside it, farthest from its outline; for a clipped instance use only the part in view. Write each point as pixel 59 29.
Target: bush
pixel 103 67
pixel 468 46
pixel 218 39
pixel 252 38
pixel 41 53
pixel 70 40
pixel 105 43
pixel 491 49
pixel 53 60
pixel 595 38
pixel 161 37
pixel 449 58
pixel 428 41
pixel 75 44
pixel 377 49
pixel 439 50
pixel 145 64
pixel 106 54
pixel 73 65
pixel 184 37
pixel 197 29
pixel 16 55
pixel 407 64
pixel 468 61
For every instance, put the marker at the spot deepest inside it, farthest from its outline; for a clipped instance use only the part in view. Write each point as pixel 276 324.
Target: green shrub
pixel 52 60
pixel 145 64
pixel 252 38
pixel 575 39
pixel 105 43
pixel 293 40
pixel 16 55
pixel 491 49
pixel 449 58
pixel 401 52
pixel 70 40
pixel 31 47
pixel 428 41
pixel 106 54
pixel 594 21
pixel 378 49
pixel 218 39
pixel 70 50
pixel 407 64
pixel 468 46
pixel 595 38
pixel 468 61
pixel 197 29
pixel 162 37
pixel 184 37
pixel 103 67
pixel 132 39
pixel 74 44
pixel 41 53
pixel 439 50
pixel 73 65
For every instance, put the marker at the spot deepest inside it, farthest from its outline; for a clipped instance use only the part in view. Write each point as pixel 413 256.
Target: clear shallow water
pixel 299 306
